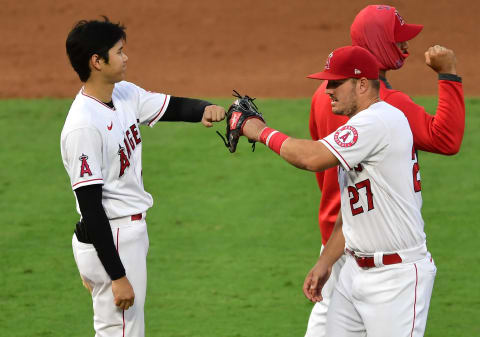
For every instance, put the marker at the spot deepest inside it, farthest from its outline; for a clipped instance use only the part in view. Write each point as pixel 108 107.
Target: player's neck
pixel 100 90
pixel 366 102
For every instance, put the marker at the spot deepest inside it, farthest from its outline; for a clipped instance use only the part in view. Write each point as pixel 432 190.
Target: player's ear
pixel 96 62
pixel 363 85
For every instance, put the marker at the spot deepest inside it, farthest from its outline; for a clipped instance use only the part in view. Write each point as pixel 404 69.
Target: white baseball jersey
pixel 379 181
pixel 103 145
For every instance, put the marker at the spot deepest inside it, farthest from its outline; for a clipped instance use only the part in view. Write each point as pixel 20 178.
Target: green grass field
pixel 231 236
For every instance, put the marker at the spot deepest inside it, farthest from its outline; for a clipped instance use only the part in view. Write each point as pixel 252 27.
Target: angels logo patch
pixel 346 136
pixel 84 168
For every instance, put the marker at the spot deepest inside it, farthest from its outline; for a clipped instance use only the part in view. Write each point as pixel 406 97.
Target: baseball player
pixel 101 147
pixel 381 30
pixel 384 289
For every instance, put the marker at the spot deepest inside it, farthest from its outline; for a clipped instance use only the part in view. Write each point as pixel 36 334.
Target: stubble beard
pixel 351 108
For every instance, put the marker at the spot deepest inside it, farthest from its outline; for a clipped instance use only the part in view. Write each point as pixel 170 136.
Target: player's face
pixel 115 70
pixel 403 46
pixel 343 96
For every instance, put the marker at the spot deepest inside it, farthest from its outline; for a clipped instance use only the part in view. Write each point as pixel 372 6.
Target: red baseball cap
pixel 348 62
pixel 404 31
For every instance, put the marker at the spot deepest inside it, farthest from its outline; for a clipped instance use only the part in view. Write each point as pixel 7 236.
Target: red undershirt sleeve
pixel 440 133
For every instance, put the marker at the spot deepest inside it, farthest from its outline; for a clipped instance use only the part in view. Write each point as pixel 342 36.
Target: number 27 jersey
pixel 379 181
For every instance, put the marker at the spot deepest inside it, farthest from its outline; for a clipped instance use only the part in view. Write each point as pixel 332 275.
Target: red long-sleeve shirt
pixel 442 133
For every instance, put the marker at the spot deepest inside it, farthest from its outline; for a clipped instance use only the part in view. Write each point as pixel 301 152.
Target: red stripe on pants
pixel 415 302
pixel 123 311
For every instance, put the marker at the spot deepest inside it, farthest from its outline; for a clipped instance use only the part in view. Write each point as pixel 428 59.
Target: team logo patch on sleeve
pixel 346 136
pixel 84 168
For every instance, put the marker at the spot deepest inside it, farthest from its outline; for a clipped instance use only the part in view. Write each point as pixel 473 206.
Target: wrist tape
pixel 273 139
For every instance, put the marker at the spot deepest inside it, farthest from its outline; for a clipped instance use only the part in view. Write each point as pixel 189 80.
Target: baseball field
pixel 231 236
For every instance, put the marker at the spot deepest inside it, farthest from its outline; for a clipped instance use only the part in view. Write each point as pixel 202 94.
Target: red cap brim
pixel 323 75
pixel 407 32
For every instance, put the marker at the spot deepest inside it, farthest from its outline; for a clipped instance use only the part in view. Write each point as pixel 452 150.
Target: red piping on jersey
pixel 84 94
pixel 85 181
pixel 159 112
pixel 415 302
pixel 337 153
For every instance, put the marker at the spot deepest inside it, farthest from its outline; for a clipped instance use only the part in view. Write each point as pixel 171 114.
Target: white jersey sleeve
pixel 149 106
pixel 81 154
pixel 363 136
pixel 152 106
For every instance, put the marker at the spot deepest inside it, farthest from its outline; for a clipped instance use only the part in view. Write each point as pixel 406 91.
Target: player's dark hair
pixel 375 84
pixel 92 37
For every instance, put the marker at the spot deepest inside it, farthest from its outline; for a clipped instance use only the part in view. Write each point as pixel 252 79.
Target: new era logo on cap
pixel 349 62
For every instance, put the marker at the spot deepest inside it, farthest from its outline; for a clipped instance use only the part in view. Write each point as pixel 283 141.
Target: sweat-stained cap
pixel 405 31
pixel 348 62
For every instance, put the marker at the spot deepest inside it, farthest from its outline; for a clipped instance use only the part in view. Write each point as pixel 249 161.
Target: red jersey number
pixel 355 196
pixel 417 184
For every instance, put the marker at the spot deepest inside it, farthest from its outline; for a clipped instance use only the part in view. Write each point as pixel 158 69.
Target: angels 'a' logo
pixel 84 168
pixel 327 62
pixel 346 136
pixel 124 162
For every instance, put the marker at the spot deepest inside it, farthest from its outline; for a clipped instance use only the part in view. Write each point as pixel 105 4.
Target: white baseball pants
pixel 383 301
pixel 131 240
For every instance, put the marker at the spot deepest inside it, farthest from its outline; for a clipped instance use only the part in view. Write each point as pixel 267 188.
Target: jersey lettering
pixel 124 162
pixel 84 168
pixel 127 147
pixel 355 196
pixel 134 130
pixel 417 184
pixel 130 140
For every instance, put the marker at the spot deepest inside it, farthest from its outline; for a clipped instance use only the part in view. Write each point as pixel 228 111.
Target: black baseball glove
pixel 239 112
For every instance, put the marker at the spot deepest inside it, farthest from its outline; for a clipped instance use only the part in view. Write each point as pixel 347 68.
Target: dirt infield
pixel 206 48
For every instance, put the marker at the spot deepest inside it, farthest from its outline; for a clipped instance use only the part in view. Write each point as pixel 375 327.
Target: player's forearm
pixel 449 120
pixel 441 133
pixel 308 155
pixel 182 109
pixel 444 131
pixel 98 229
pixel 336 244
pixel 302 153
